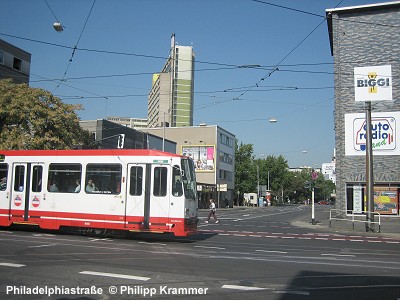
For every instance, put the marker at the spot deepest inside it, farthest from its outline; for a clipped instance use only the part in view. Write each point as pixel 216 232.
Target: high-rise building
pixel 170 100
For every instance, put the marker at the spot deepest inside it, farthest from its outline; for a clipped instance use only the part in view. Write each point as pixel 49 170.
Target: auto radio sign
pixel 373 83
pixel 385 133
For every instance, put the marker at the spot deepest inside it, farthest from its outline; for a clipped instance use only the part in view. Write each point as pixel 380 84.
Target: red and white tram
pixel 135 190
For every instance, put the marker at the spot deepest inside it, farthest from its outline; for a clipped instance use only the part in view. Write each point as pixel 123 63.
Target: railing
pixel 350 213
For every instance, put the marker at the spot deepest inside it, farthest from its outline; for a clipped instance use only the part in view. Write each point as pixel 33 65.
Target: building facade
pixel 170 100
pixel 135 123
pixel 15 63
pixel 107 135
pixel 213 150
pixel 365 44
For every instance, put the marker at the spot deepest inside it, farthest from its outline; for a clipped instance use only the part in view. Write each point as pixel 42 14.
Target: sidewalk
pixel 390 225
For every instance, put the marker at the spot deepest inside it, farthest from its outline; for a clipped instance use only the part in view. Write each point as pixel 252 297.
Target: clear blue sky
pixel 121 43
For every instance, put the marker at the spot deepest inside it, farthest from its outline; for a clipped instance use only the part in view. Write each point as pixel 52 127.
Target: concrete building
pixel 170 99
pixel 135 123
pixel 213 150
pixel 106 135
pixel 365 44
pixel 15 63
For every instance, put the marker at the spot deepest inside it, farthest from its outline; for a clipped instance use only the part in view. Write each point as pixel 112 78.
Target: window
pixel 103 178
pixel 3 176
pixel 37 179
pixel 64 178
pixel 17 64
pixel 1 57
pixel 136 181
pixel 19 178
pixel 160 181
pixel 176 182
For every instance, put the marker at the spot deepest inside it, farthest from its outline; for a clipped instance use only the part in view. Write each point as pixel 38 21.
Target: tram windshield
pixel 188 178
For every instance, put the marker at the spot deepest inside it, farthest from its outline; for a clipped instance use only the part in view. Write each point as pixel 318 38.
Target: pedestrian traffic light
pixel 121 140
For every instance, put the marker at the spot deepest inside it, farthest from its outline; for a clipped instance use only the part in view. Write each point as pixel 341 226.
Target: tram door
pixel 26 191
pixel 20 192
pixel 136 196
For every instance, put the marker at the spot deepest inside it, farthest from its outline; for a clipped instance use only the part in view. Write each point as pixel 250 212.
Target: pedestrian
pixel 212 212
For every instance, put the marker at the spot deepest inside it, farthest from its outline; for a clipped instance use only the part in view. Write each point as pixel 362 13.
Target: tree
pixel 32 118
pixel 245 175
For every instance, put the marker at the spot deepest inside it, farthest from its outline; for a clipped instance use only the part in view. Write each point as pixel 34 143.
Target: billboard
pixel 373 83
pixel 385 133
pixel 203 156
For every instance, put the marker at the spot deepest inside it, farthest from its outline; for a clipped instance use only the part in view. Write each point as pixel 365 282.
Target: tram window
pixel 160 181
pixel 37 179
pixel 63 177
pixel 176 181
pixel 103 178
pixel 136 181
pixel 3 176
pixel 19 178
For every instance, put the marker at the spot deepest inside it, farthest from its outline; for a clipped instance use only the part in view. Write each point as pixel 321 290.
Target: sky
pixel 256 60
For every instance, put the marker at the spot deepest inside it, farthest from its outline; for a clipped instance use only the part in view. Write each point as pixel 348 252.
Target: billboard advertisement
pixel 202 155
pixel 386 200
pixel 385 133
pixel 373 83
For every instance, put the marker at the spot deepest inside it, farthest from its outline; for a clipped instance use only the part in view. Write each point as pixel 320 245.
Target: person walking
pixel 212 212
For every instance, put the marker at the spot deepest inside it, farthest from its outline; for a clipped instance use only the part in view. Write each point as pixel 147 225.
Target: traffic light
pixel 121 140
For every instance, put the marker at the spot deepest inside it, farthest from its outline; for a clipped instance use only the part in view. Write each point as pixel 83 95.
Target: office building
pixel 170 100
pixel 365 44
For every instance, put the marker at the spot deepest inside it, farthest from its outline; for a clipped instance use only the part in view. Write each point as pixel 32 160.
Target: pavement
pixel 389 225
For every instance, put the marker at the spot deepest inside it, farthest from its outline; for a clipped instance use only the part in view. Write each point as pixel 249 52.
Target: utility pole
pixel 369 169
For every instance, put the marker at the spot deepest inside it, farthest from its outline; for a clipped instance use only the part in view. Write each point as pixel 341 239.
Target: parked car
pixel 323 202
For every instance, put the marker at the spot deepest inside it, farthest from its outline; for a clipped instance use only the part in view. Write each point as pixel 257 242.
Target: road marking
pixel 11 265
pixel 243 288
pixel 388 242
pixel 292 292
pixel 40 246
pixel 147 243
pixel 209 247
pixel 271 251
pixel 339 255
pixel 115 275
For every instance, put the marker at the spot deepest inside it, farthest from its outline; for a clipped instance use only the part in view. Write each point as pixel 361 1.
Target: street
pixel 253 252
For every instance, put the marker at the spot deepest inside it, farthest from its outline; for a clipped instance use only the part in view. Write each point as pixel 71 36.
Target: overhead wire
pixel 75 47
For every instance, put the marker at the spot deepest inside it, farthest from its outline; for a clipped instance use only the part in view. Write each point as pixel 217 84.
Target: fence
pixel 352 217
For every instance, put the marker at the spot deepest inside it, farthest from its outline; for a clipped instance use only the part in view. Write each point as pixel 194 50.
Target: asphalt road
pixel 253 252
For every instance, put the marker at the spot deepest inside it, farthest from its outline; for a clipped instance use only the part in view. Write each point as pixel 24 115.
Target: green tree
pixel 32 118
pixel 245 174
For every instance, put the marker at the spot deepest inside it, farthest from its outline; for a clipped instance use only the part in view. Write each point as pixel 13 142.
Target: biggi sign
pixel 373 83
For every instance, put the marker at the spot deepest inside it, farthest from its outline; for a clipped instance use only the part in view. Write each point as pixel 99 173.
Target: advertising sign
pixel 386 200
pixel 385 133
pixel 203 157
pixel 373 83
pixel 357 199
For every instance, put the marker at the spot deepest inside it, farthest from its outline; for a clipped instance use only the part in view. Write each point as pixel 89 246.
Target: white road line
pixel 339 255
pixel 11 265
pixel 147 243
pixel 292 292
pixel 242 287
pixel 40 246
pixel 209 247
pixel 271 251
pixel 356 240
pixel 388 242
pixel 115 275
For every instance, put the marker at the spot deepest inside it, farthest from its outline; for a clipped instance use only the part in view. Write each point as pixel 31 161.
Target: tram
pixel 119 189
